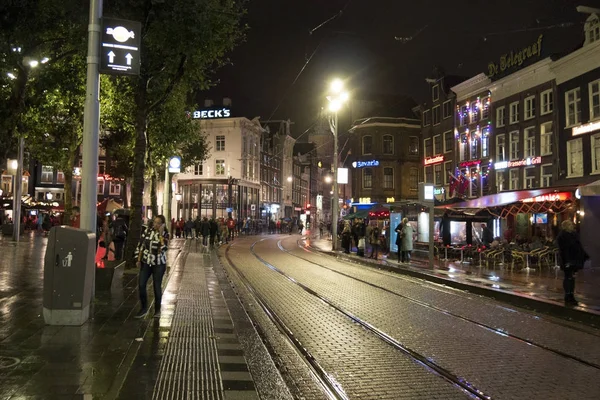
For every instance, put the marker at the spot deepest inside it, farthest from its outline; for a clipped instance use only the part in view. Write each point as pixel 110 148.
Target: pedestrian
pixel 346 237
pixel 231 228
pixel 407 240
pixel 119 234
pixel 151 255
pixel 487 237
pixel 205 231
pixel 214 229
pixel 572 258
pixel 398 242
pixel 375 242
pixel 321 227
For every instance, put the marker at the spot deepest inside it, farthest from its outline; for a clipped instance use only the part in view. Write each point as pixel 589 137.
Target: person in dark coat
pixel 214 227
pixel 398 242
pixel 572 258
pixel 487 237
pixel 205 231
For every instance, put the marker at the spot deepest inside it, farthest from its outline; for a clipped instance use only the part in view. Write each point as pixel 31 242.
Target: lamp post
pixel 336 99
pixel 17 195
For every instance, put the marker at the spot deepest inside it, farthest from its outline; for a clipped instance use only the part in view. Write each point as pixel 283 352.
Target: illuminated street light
pixel 328 179
pixel 336 99
pixel 45 60
pixel 11 75
pixel 33 63
pixel 49 196
pixel 289 178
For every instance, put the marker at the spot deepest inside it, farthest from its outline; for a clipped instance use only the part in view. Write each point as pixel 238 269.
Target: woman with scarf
pixel 151 255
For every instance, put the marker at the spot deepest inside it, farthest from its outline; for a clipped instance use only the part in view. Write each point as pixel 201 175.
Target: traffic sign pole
pixel 91 122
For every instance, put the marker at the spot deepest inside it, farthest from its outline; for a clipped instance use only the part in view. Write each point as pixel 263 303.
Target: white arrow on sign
pixel 111 57
pixel 129 57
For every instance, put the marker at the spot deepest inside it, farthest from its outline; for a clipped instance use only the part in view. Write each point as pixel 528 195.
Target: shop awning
pixel 554 199
pixel 591 189
pixel 506 198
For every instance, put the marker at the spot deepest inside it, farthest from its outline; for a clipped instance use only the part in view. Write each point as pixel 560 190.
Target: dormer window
pixel 435 93
pixel 592 29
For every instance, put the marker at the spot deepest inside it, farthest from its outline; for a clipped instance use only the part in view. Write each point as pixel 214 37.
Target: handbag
pixel 361 243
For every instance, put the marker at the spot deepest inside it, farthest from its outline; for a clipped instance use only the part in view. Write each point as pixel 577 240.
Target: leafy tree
pixel 34 34
pixel 183 42
pixel 54 118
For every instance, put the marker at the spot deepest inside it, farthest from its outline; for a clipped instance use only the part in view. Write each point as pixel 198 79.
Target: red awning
pixel 506 198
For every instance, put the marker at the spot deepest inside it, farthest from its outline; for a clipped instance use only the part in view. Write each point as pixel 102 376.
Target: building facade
pixel 384 159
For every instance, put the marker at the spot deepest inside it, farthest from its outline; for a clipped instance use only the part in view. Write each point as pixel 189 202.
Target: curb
pixel 548 307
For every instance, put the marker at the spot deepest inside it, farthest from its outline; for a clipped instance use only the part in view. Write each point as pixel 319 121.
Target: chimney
pixel 208 103
pixel 226 102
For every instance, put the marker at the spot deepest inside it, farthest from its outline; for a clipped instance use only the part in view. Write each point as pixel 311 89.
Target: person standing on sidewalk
pixel 572 258
pixel 375 241
pixel 151 254
pixel 407 240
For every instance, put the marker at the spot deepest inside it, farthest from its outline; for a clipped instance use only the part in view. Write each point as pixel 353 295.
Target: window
pixel 426 117
pixel 388 144
pixel 514 145
pixel 546 138
pixel 436 115
pixel 367 178
pixel 595 100
pixel 464 147
pixel 435 93
pixel 220 168
pixel 529 107
pixel 427 147
pixel 529 177
pixel 485 108
pixel 595 153
pixel 546 180
pixel 447 171
pixel 101 167
pixel 413 145
pixel 198 169
pixel 475 113
pixel 474 146
pixel 574 158
pixel 529 137
pixel 100 187
pixel 47 174
pixel 546 98
pixel 115 189
pixel 501 148
pixel 60 177
pixel 448 141
pixel 500 116
pixel 447 109
pixel 388 178
pixel 573 106
pixel 485 143
pixel 592 29
pixel 514 179
pixel 413 178
pixel 437 174
pixel 464 115
pixel 429 174
pixel 500 177
pixel 437 144
pixel 367 144
pixel 514 112
pixel 220 140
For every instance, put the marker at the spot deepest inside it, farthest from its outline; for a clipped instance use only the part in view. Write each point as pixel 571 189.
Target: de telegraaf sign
pixel 212 114
pixel 515 58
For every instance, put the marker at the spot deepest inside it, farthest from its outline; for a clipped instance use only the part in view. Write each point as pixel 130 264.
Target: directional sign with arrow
pixel 120 47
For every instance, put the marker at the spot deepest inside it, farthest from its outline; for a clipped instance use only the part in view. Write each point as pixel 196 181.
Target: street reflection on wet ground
pixel 39 361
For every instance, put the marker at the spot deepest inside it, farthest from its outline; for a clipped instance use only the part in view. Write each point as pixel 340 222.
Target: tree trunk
pixel 153 199
pixel 139 166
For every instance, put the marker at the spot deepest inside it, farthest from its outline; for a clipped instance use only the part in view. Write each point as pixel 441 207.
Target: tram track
pixel 332 387
pixel 429 306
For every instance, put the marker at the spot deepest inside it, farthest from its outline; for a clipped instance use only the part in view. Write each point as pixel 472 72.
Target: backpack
pixel 120 232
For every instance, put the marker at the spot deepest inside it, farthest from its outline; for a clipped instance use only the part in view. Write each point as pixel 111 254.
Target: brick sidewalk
pixel 40 361
pixel 538 288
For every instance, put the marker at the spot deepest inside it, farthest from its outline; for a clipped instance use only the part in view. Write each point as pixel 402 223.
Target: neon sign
pixel 518 163
pixel 471 163
pixel 362 164
pixel 212 114
pixel 561 196
pixel 434 160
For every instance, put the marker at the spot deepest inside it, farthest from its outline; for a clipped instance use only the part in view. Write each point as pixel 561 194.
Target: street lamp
pixel 336 99
pixel 289 178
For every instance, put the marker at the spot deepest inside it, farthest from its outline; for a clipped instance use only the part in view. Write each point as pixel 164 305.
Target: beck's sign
pixel 212 114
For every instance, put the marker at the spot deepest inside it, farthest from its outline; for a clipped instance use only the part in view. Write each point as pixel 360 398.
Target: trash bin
pixel 68 275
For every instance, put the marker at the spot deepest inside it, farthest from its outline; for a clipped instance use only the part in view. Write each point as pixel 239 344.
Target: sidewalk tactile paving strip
pixel 190 367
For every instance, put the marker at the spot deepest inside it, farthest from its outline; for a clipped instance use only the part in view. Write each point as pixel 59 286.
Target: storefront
pixel 217 198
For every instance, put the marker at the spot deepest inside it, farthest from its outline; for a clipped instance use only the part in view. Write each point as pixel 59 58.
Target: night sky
pixel 360 46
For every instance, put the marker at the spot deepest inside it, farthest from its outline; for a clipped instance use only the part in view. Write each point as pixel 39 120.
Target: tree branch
pixel 176 79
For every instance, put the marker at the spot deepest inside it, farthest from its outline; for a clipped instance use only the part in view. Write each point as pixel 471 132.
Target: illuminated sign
pixel 426 192
pixel 120 49
pixel 342 177
pixel 472 163
pixel 212 114
pixel 516 58
pixel 362 164
pixel 548 197
pixel 434 160
pixel 364 200
pixel 518 163
pixel 587 128
pixel 175 165
pixel 439 191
